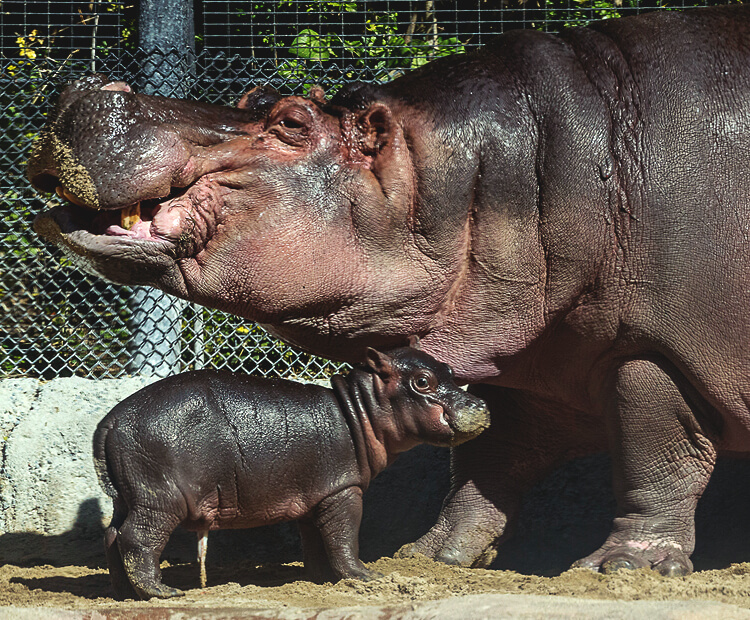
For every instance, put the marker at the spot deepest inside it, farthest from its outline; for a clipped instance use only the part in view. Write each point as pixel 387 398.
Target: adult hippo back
pixel 563 219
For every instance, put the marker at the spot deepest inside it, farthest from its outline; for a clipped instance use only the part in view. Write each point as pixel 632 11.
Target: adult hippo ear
pixel 413 342
pixel 376 126
pixel 374 120
pixel 259 99
pixel 384 195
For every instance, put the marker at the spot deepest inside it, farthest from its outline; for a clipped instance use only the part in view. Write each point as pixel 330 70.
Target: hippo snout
pixel 469 420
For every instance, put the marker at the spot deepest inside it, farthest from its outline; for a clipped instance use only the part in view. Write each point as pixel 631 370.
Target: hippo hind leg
pixel 141 539
pixel 117 573
pixel 336 519
pixel 317 566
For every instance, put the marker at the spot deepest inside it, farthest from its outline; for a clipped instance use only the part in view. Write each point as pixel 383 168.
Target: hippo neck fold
pixel 355 394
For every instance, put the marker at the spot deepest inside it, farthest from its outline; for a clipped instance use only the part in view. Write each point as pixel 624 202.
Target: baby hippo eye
pixel 424 381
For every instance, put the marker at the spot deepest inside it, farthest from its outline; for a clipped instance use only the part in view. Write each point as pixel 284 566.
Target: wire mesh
pixel 57 321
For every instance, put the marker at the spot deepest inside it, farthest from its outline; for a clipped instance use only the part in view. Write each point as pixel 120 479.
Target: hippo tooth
pixel 69 196
pixel 130 216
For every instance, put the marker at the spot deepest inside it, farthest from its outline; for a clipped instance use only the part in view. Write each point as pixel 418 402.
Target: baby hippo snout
pixel 470 417
pixel 424 393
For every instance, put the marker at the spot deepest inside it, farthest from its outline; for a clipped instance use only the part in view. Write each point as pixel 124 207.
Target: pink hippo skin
pixel 563 219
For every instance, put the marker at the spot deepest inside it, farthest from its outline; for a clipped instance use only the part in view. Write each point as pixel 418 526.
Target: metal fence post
pixel 167 39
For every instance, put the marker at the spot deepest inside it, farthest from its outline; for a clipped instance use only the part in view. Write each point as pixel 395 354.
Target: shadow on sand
pixel 564 518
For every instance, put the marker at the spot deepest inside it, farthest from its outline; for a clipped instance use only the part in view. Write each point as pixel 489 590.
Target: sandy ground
pixel 405 581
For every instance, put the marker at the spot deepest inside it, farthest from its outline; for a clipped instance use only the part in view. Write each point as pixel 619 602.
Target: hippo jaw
pixel 148 238
pixel 59 226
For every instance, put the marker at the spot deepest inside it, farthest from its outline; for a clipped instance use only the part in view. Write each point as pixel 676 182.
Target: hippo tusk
pixel 130 216
pixel 69 196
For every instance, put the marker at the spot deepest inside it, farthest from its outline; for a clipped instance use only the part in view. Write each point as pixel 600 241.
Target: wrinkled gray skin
pixel 214 450
pixel 563 219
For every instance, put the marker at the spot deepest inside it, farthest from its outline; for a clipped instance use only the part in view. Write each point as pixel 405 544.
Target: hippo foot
pixel 319 574
pixel 665 558
pixel 366 575
pixel 450 547
pixel 158 590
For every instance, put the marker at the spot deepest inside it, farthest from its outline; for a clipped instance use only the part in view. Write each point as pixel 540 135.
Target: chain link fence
pixel 57 321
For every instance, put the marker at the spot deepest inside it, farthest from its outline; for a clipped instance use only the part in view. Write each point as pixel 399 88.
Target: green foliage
pixel 581 12
pixel 333 42
pixel 340 40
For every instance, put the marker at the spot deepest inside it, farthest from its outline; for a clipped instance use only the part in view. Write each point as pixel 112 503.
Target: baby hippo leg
pixel 117 572
pixel 337 518
pixel 141 540
pixel 317 566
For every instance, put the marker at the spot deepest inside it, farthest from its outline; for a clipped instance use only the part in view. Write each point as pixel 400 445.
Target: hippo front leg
pixel 489 474
pixel 662 460
pixel 337 519
pixel 477 510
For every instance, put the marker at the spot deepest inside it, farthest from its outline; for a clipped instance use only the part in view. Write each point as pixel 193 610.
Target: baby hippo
pixel 212 450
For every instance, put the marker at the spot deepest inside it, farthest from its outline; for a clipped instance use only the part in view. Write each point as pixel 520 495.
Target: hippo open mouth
pixel 142 220
pixel 131 170
pixel 132 243
pixel 179 224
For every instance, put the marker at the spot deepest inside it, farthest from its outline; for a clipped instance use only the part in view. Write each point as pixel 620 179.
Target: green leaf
pixel 308 44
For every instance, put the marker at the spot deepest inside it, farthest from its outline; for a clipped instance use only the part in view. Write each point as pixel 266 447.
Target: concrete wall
pixel 53 511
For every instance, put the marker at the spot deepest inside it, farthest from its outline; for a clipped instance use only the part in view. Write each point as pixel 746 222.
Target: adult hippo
pixel 563 219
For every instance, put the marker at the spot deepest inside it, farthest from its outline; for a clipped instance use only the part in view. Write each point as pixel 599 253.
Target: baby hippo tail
pixel 100 458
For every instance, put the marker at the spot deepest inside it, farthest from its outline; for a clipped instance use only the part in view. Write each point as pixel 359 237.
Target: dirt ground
pixel 405 581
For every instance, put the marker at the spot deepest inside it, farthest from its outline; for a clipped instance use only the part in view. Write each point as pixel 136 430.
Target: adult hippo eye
pixel 291 126
pixel 424 382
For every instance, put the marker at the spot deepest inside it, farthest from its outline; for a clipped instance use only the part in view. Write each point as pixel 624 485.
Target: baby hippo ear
pixel 414 342
pixel 380 363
